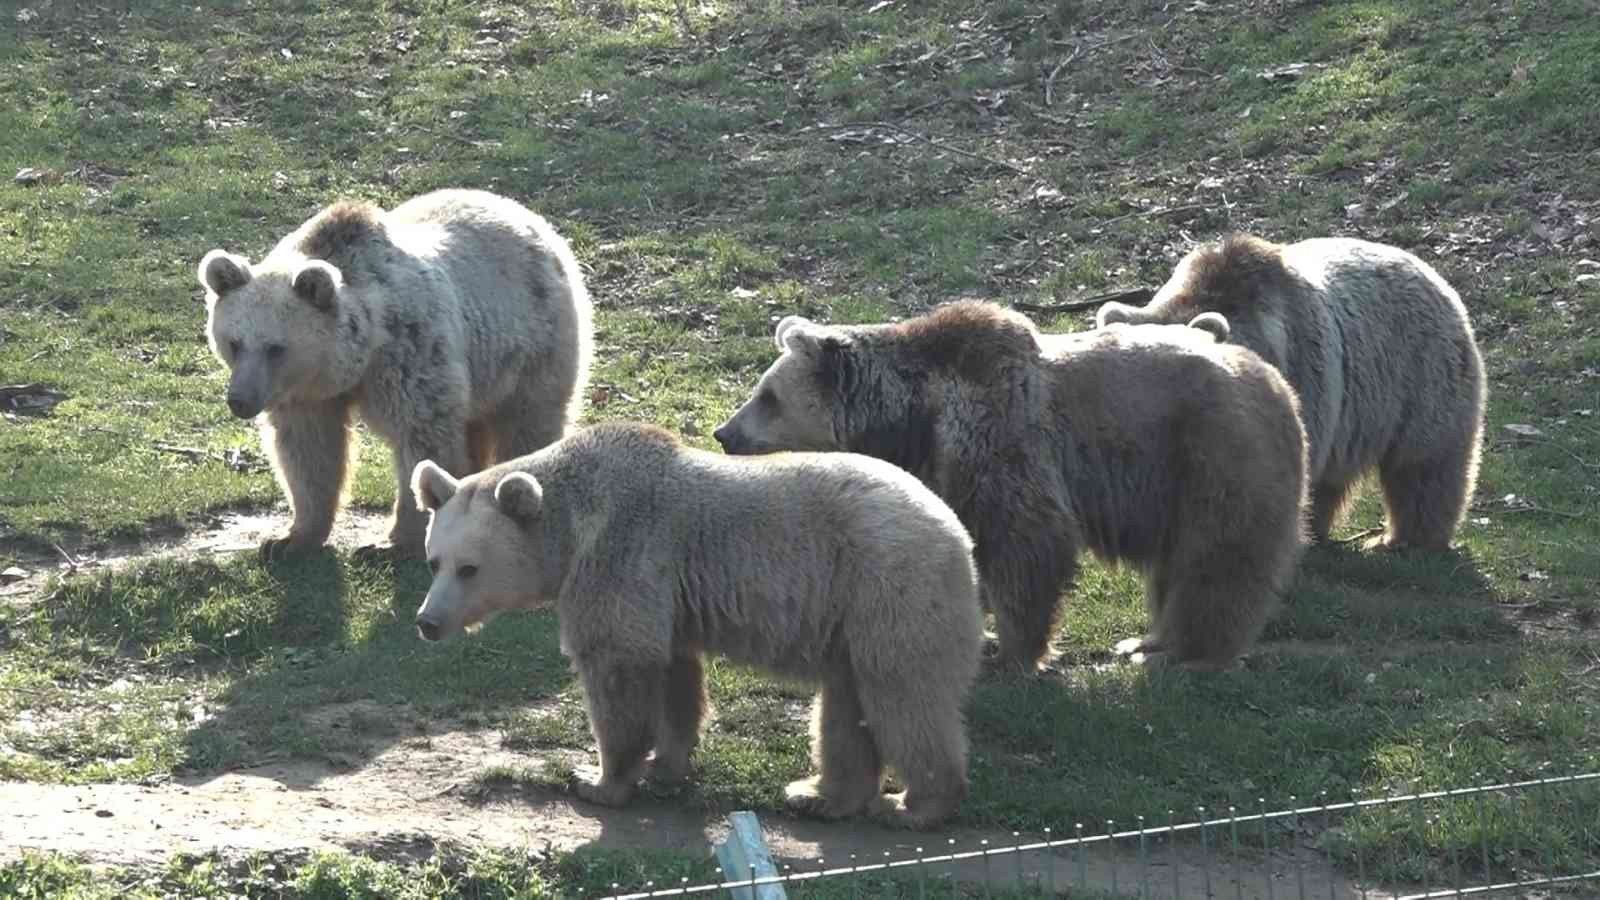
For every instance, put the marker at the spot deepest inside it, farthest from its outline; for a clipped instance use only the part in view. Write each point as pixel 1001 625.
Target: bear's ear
pixel 318 284
pixel 798 334
pixel 1113 312
pixel 520 496
pixel 432 486
pixel 221 271
pixel 1214 322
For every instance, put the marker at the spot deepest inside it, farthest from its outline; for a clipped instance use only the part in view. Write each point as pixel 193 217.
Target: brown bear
pixel 831 568
pixel 1155 446
pixel 1379 349
pixel 456 324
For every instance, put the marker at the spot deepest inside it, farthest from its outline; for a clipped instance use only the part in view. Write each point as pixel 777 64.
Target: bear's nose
pixel 243 409
pixel 724 436
pixel 427 629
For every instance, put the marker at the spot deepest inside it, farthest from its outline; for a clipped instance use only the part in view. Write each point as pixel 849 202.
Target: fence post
pixel 744 855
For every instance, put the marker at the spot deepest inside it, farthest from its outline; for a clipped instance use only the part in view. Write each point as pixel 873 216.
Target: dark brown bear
pixel 1151 445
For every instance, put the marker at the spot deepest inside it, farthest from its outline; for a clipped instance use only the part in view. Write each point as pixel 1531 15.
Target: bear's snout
pixel 242 408
pixel 727 438
pixel 427 629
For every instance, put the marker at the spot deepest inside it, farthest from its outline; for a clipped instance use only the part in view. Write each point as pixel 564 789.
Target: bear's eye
pixel 234 346
pixel 274 351
pixel 433 566
pixel 467 571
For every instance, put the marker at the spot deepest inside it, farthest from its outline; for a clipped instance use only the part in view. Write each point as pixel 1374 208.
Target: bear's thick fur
pixel 1152 445
pixel 1378 348
pixel 457 325
pixel 830 568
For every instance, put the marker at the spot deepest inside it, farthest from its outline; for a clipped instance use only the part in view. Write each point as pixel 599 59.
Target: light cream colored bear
pixel 832 568
pixel 1379 349
pixel 457 325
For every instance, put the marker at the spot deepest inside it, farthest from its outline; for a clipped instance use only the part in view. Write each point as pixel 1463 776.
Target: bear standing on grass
pixel 1380 351
pixel 457 325
pixel 1155 446
pixel 835 568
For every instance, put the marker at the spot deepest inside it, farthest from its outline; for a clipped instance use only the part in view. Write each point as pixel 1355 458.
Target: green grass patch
pixel 852 166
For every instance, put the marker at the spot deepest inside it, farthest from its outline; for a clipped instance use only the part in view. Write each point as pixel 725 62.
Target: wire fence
pixel 1532 837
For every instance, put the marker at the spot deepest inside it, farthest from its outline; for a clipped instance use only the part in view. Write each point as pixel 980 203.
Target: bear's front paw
pixel 372 553
pixel 589 785
pixel 281 548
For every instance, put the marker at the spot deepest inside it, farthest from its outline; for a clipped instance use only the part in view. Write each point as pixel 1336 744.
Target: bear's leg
pixel 682 712
pixel 624 708
pixel 1327 501
pixel 918 729
pixel 523 425
pixel 1024 587
pixel 1217 604
pixel 309 446
pixel 1426 498
pixel 850 771
pixel 408 531
pixel 1157 594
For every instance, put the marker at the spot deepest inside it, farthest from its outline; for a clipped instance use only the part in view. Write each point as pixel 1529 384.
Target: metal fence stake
pixel 1233 839
pixel 1266 846
pixel 1144 864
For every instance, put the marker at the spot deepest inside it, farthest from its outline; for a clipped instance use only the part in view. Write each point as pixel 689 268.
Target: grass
pixel 710 185
pixel 487 875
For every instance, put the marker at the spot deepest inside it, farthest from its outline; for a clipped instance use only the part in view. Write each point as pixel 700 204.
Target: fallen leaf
pixel 286 53
pixel 1524 430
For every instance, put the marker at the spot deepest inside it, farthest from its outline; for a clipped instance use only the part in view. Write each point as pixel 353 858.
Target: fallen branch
pixel 998 163
pixel 1126 295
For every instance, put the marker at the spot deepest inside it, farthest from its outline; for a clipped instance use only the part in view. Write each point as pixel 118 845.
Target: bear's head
pixel 483 546
pixel 276 326
pixel 789 410
pixel 834 389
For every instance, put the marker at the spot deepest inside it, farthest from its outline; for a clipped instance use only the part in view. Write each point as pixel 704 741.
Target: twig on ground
pixel 193 454
pixel 1526 508
pixel 72 562
pixel 998 163
pixel 1358 536
pixel 1158 211
pixel 1126 295
pixel 1050 80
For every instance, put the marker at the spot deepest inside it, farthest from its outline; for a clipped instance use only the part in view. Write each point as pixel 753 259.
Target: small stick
pixel 1126 295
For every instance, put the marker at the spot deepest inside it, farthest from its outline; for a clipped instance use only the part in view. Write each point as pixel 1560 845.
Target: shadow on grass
pixel 373 657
